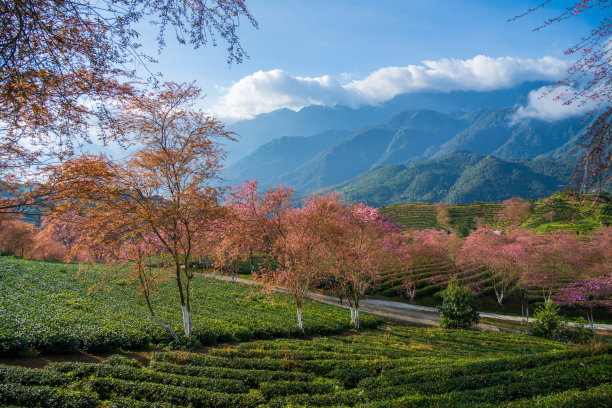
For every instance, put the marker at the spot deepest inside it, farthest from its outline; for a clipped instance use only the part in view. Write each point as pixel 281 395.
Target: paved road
pixel 403 312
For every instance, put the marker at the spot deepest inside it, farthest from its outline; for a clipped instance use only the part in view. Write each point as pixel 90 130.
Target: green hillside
pixel 577 212
pixel 458 177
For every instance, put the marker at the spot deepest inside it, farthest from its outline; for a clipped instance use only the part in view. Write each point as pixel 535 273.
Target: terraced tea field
pixel 392 367
pixel 423 216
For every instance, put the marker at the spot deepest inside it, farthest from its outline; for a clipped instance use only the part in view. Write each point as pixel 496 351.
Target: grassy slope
pixel 394 366
pixel 49 307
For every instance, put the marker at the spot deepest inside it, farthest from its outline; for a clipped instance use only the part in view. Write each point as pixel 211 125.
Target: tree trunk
pixel 165 326
pixel 300 322
pixel 186 322
pixel 500 296
pixel 298 303
pixel 357 318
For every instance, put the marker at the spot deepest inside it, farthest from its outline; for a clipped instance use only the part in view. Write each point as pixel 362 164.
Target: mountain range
pixel 460 148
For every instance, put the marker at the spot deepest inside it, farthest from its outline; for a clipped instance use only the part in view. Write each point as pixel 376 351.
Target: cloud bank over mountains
pixel 552 104
pixel 264 92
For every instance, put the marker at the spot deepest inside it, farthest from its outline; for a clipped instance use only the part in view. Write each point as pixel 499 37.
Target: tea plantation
pixel 388 367
pixel 50 307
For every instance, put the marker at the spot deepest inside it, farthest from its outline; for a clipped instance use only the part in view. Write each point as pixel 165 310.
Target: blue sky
pixel 357 52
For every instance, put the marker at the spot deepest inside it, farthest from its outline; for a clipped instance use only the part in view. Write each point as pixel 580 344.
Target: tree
pixel 459 308
pixel 359 240
pixel 499 253
pixel 162 191
pixel 559 257
pixel 65 64
pixel 589 293
pixel 514 210
pixel 251 223
pixel 300 250
pixel 443 216
pixel 438 245
pixel 588 78
pixel 63 61
pixel 17 237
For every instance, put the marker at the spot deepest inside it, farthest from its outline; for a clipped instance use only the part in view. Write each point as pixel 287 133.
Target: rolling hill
pixel 458 177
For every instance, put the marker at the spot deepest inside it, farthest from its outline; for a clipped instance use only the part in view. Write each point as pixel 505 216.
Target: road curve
pixel 398 311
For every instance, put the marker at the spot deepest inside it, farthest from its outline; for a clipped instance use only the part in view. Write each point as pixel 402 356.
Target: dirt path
pixel 402 312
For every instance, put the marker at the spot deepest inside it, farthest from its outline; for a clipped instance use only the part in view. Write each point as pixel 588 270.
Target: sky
pixel 356 52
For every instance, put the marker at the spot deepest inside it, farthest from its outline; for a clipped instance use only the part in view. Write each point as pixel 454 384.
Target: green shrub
pixel 281 388
pixel 109 387
pixel 118 359
pixel 349 377
pixel 548 324
pixel 42 396
pixel 547 321
pixel 459 308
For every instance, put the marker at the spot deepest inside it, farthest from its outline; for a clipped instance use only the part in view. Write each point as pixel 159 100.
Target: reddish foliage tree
pixel 359 241
pixel 64 63
pixel 162 190
pixel 438 245
pixel 17 237
pixel 443 216
pixel 251 223
pixel 300 250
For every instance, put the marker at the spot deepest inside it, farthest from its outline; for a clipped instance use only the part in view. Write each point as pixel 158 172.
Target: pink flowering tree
pixel 499 253
pixel 558 257
pixel 589 293
pixel 358 247
pixel 251 222
pixel 300 250
pixel 514 210
pixel 438 245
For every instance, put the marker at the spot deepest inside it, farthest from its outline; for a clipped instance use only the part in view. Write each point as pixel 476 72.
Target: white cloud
pixel 551 104
pixel 267 91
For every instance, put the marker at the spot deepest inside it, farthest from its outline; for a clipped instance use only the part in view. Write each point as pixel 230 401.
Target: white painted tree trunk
pixel 186 322
pixel 499 295
pixel 357 317
pixel 167 327
pixel 300 322
pixel 352 314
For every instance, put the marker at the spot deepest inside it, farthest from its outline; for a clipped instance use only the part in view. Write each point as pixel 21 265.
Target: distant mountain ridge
pixel 314 119
pixel 407 153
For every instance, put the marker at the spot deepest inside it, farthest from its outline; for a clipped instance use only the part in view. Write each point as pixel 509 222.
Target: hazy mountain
pixel 403 137
pixel 458 177
pixel 281 156
pixel 493 132
pixel 411 137
pixel 315 119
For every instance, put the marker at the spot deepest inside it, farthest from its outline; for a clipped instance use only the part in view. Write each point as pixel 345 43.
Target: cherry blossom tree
pixel 514 210
pixel 559 257
pixel 361 240
pixel 499 253
pixel 300 250
pixel 589 293
pixel 251 223
pixel 588 80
